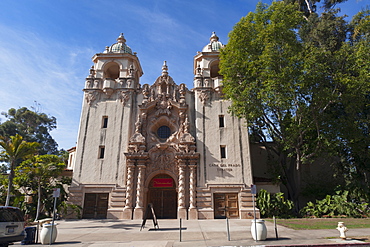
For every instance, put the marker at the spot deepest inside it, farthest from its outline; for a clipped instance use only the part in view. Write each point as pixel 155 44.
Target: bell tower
pixel 222 140
pixel 117 69
pixel 107 122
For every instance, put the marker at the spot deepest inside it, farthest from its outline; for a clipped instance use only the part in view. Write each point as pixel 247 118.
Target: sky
pixel 46 46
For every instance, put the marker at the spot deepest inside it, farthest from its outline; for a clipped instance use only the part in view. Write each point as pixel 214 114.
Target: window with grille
pixel 164 132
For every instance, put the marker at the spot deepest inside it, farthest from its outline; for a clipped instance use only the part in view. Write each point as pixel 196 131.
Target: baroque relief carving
pixel 204 97
pixel 124 96
pixel 90 97
pixel 162 157
pixel 163 105
pixel 137 141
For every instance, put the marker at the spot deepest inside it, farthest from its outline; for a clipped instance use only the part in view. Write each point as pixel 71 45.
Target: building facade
pixel 163 144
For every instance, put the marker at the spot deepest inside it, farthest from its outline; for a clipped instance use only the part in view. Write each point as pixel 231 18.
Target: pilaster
pixel 193 212
pixel 127 211
pixel 181 191
pixel 139 211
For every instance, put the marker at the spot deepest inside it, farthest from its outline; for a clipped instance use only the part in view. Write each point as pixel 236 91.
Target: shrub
pixel 274 205
pixel 337 205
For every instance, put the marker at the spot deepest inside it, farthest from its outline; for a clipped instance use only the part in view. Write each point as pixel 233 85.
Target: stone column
pixel 193 212
pixel 139 212
pixel 181 191
pixel 127 211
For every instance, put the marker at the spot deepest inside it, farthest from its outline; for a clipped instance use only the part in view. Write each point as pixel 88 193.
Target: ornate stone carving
pixel 182 92
pixel 129 83
pixel 90 97
pixel 198 82
pixel 137 141
pixel 139 187
pixel 199 70
pixel 181 190
pixel 124 97
pixel 145 92
pixel 121 83
pixel 204 96
pixel 192 185
pixel 163 107
pixel 207 82
pixel 161 157
pixel 131 71
pixel 96 83
pixel 187 141
pixel 129 183
pixel 164 104
pixel 89 83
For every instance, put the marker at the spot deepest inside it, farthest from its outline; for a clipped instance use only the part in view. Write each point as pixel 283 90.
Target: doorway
pixel 162 194
pixel 95 206
pixel 226 206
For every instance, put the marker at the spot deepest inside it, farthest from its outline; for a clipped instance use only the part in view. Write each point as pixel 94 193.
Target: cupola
pixel 120 46
pixel 214 44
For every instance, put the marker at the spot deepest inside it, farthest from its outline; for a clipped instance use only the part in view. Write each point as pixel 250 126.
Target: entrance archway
pixel 162 194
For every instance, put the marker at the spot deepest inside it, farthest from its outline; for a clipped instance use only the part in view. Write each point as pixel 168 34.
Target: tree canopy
pixel 32 126
pixel 40 174
pixel 292 78
pixel 310 6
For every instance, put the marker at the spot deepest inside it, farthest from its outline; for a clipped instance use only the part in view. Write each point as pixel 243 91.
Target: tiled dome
pixel 120 46
pixel 214 44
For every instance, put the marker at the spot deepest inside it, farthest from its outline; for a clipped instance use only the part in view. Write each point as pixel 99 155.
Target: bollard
pixel 228 230
pixel 276 232
pixel 180 230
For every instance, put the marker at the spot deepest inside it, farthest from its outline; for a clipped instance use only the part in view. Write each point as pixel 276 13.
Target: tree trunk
pixel 38 201
pixel 10 184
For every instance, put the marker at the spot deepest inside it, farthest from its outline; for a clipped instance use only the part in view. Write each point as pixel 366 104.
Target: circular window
pixel 164 132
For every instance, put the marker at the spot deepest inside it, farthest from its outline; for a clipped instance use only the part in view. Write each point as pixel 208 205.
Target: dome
pixel 120 46
pixel 214 44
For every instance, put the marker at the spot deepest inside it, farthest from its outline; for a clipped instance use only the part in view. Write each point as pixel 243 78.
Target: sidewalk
pixel 126 233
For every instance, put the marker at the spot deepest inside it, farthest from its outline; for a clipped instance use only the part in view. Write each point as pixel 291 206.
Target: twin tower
pixel 164 144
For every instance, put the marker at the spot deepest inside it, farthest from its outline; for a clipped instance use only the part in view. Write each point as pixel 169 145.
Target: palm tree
pixel 15 149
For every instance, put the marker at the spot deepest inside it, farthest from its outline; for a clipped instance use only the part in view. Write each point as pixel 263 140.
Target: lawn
pixel 323 223
pixel 326 223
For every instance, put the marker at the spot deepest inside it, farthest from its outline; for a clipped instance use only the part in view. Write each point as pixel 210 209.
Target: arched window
pixel 214 70
pixel 111 70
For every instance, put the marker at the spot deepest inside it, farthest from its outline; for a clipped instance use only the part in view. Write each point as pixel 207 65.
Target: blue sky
pixel 46 46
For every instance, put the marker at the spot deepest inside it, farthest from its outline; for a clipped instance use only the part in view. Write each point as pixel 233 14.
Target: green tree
pixel 33 126
pixel 39 172
pixel 353 114
pixel 14 150
pixel 309 7
pixel 285 79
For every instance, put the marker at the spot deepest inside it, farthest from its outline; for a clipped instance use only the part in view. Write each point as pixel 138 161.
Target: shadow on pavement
pixel 168 229
pixel 68 242
pixel 116 226
pixel 274 239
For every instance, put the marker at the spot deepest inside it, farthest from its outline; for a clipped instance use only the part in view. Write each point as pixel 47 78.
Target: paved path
pixel 126 233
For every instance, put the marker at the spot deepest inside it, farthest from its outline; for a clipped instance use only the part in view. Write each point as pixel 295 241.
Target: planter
pixel 46 232
pixel 260 227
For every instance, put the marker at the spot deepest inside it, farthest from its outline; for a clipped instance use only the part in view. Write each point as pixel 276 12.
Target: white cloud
pixel 37 69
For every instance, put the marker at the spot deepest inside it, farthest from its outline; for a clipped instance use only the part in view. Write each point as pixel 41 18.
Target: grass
pixel 323 223
pixel 326 223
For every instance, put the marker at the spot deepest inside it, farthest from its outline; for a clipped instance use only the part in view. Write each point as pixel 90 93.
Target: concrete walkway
pixel 126 233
